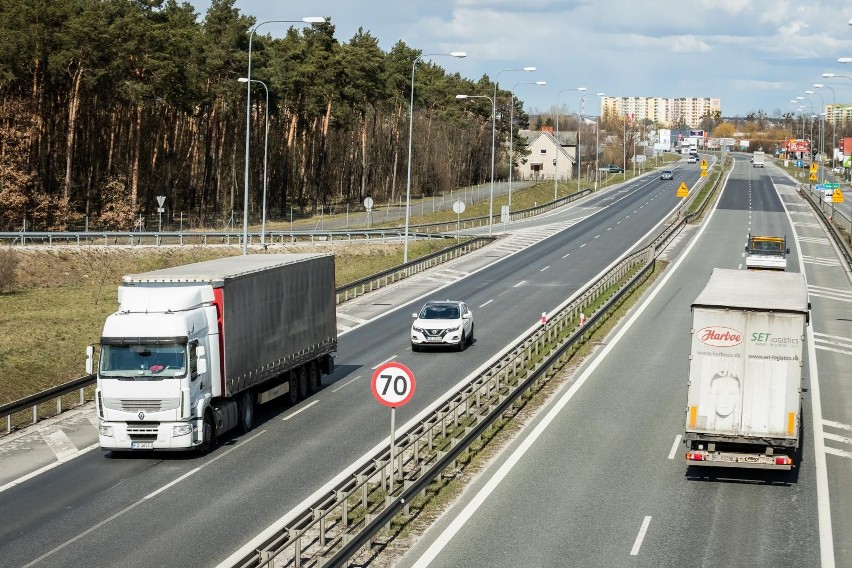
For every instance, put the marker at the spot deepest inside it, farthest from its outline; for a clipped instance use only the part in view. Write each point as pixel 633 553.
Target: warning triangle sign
pixel 682 190
pixel 812 177
pixel 837 196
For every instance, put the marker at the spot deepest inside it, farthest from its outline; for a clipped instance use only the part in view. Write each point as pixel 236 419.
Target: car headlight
pixel 182 430
pixel 105 430
pixel 417 329
pixel 456 328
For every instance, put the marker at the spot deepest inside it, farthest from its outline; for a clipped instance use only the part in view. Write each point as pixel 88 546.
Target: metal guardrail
pixel 832 224
pixel 130 238
pixel 343 294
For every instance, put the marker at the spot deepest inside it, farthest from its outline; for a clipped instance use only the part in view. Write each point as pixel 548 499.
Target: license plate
pixel 433 338
pixel 142 445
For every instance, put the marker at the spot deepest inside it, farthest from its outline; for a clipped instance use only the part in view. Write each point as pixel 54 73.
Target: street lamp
pixel 598 144
pixel 833 75
pixel 844 59
pixel 410 134
pixel 493 126
pixel 821 121
pixel 579 129
pixel 265 148
pixel 833 119
pixel 512 130
pixel 308 20
pixel 559 144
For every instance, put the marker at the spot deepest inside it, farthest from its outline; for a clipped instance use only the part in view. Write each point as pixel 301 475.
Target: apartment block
pixel 660 110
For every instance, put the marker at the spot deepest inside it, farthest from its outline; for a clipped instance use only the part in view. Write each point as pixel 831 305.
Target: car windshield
pixel 143 361
pixel 440 311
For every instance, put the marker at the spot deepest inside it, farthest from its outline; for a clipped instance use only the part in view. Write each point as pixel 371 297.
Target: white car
pixel 442 323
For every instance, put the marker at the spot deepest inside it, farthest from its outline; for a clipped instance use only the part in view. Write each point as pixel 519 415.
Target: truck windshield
pixel 767 247
pixel 144 361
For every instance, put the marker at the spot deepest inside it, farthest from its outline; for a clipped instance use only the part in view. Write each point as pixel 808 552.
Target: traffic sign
pixel 161 199
pixel 682 190
pixel 813 167
pixel 458 207
pixel 703 164
pixel 393 384
pixel 837 196
pixel 830 185
pixel 820 187
pixel 368 203
pixel 703 173
pixel 812 177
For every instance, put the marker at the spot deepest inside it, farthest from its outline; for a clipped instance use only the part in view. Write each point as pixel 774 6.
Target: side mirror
pixel 90 359
pixel 414 316
pixel 746 248
pixel 200 367
pixel 788 251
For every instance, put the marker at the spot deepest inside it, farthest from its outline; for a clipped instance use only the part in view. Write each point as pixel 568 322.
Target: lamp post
pixel 579 129
pixel 512 130
pixel 410 133
pixel 833 119
pixel 493 126
pixel 265 149
pixel 308 20
pixel 559 144
pixel 598 144
pixel 821 123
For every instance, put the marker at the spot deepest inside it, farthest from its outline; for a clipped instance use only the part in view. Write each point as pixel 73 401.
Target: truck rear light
pixel 694 456
pixel 783 460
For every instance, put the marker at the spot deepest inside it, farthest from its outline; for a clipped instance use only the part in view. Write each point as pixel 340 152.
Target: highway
pixel 599 479
pixel 174 509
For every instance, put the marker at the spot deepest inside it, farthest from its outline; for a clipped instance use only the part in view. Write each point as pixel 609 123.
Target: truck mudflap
pixel 740 460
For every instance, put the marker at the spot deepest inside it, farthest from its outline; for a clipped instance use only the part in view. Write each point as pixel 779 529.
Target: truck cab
pixel 766 252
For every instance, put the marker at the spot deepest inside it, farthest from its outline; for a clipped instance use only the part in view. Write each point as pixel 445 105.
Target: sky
pixel 754 55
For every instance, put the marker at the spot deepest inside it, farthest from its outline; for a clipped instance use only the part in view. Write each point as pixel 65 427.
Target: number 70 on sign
pixel 393 384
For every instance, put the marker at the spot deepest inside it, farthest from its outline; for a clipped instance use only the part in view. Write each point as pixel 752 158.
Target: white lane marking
pixel 342 327
pixel 48 467
pixel 486 303
pixel 139 502
pixel 824 289
pixel 567 255
pixel 352 318
pixel 304 408
pixel 619 223
pixel 388 360
pixel 609 228
pixel 347 383
pixel 739 266
pixel 582 245
pixel 521 283
pixel 829 297
pixel 641 536
pixel 596 236
pixel 59 443
pixel 836 438
pixel 545 268
pixel 674 446
pixel 834 424
pixel 836 452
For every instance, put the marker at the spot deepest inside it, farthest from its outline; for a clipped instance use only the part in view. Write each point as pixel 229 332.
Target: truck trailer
pixel 745 370
pixel 766 252
pixel 193 349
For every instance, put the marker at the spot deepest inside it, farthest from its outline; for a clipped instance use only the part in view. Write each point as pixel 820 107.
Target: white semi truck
pixel 192 349
pixel 745 370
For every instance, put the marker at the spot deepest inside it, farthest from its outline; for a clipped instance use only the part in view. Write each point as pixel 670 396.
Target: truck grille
pixel 148 405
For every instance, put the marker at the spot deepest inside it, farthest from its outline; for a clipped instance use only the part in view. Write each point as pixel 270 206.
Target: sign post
pixel 393 385
pixel 160 200
pixel 458 207
pixel 368 205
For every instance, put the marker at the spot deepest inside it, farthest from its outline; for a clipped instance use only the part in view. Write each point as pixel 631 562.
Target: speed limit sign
pixel 393 384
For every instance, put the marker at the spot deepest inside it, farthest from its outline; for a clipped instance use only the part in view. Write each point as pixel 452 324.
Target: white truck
pixel 758 159
pixel 745 371
pixel 766 252
pixel 192 349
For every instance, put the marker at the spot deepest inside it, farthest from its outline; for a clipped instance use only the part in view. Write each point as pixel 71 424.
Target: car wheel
pixel 463 342
pixel 470 339
pixel 208 434
pixel 415 347
pixel 293 388
pixel 247 412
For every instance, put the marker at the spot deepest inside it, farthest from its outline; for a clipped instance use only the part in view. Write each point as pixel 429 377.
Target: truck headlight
pixel 105 430
pixel 182 430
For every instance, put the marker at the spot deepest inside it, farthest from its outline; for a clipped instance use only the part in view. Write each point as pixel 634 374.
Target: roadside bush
pixel 8 269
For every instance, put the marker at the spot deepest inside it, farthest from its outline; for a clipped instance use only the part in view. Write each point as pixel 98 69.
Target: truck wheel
pixel 208 434
pixel 247 411
pixel 314 379
pixel 293 388
pixel 303 383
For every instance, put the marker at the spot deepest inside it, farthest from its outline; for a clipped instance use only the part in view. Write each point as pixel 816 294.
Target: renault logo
pixel 141 415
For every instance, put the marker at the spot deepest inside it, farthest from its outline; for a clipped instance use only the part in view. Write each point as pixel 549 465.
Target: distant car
pixel 615 169
pixel 692 160
pixel 442 323
pixel 667 174
pixel 838 169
